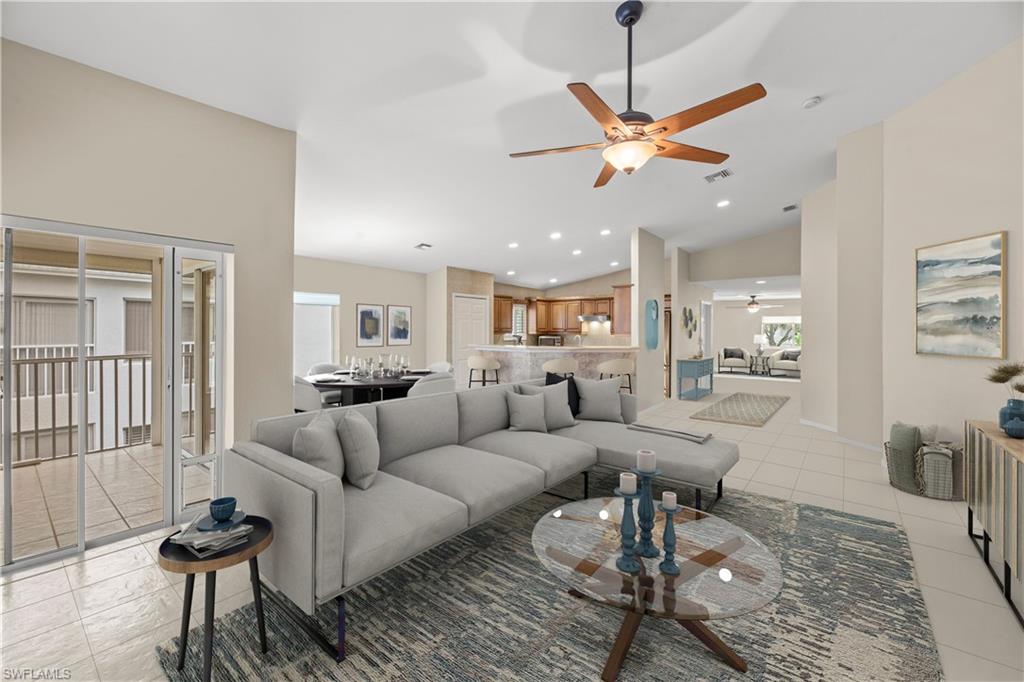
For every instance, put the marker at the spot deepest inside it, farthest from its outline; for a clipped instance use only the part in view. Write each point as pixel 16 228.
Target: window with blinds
pixel 138 325
pixel 519 319
pixel 42 321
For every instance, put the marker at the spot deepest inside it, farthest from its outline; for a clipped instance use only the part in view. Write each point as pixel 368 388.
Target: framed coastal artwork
pixel 399 325
pixel 961 297
pixel 369 325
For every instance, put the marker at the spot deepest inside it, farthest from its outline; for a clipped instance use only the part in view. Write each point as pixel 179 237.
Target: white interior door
pixel 471 325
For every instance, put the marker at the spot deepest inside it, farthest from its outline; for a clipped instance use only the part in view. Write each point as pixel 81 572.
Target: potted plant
pixel 1011 415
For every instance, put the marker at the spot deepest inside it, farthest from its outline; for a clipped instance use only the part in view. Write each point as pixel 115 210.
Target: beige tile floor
pixel 102 613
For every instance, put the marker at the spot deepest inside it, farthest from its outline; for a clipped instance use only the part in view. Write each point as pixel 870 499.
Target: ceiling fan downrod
pixel 628 14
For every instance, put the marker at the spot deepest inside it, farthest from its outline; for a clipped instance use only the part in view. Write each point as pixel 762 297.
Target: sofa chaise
pixel 448 462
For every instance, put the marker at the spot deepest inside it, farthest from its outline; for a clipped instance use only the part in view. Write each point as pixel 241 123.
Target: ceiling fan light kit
pixel 632 137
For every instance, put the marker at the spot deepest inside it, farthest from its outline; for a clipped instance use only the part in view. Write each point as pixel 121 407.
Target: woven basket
pixel 898 472
pixel 932 477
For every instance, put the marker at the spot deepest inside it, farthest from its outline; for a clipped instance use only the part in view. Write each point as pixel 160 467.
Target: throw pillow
pixel 317 444
pixel 362 451
pixel 574 395
pixel 557 413
pixel 599 400
pixel 791 355
pixel 525 412
pixel 731 353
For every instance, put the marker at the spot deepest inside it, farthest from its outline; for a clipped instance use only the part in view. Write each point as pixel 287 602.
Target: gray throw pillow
pixel 599 400
pixel 526 412
pixel 557 413
pixel 362 451
pixel 317 444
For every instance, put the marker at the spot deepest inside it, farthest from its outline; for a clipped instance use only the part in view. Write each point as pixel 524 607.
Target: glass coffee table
pixel 723 571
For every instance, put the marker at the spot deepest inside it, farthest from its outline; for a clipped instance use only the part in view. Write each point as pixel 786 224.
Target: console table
pixel 994 491
pixel 696 370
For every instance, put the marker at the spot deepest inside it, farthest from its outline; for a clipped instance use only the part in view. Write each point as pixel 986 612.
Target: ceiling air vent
pixel 791 207
pixel 720 175
pixel 423 246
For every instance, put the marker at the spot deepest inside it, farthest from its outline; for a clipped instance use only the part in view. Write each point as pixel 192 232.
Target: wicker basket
pixel 898 470
pixel 934 475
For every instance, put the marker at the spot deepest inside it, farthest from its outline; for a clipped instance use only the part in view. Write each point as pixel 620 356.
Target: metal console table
pixel 695 370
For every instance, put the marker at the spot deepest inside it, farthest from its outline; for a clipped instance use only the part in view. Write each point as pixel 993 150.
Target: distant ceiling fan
pixel 753 305
pixel 633 137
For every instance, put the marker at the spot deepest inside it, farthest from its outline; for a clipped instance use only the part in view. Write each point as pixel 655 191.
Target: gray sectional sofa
pixel 447 462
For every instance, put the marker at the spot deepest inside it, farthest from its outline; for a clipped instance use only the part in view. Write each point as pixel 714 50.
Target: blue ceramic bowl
pixel 222 508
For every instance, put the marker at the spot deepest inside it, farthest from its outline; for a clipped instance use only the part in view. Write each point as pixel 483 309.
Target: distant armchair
pixel 733 359
pixel 784 361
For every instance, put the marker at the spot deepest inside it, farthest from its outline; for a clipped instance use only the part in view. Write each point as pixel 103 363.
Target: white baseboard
pixel 823 427
pixel 858 444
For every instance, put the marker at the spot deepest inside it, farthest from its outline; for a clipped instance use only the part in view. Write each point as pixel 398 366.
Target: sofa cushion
pixel 392 521
pixel 360 447
pixel 678 459
pixel 573 394
pixel 484 482
pixel 317 444
pixel 482 410
pixel 557 413
pixel 414 424
pixel 599 400
pixel 526 412
pixel 793 355
pixel 732 353
pixel 277 432
pixel 559 457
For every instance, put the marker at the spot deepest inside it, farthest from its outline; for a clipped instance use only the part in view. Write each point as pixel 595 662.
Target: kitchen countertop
pixel 557 349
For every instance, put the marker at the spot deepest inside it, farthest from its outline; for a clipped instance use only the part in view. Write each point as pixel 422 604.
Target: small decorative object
pixel 222 508
pixel 1014 428
pixel 651 324
pixel 1008 374
pixel 399 325
pixel 961 297
pixel 627 483
pixel 689 322
pixel 646 470
pixel 668 505
pixel 369 325
pixel 759 342
pixel 627 563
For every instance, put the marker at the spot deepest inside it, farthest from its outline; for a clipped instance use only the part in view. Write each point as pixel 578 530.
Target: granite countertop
pixel 557 349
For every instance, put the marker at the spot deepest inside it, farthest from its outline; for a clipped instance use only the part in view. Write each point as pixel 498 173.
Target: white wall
pixel 818 359
pixel 765 255
pixel 689 295
pixel 647 253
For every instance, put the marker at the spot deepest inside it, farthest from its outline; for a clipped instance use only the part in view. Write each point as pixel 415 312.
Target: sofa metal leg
pixel 718 496
pixel 335 650
pixel 696 499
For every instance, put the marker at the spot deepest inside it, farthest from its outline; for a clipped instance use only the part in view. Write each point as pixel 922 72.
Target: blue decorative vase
pixel 1014 409
pixel 1014 428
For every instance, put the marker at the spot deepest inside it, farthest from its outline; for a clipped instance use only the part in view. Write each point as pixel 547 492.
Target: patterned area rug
pixel 481 607
pixel 748 409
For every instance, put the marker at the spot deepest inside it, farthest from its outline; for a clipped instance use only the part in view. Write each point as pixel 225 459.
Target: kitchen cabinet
pixel 573 310
pixel 622 304
pixel 537 321
pixel 602 306
pixel 502 314
pixel 587 306
pixel 558 315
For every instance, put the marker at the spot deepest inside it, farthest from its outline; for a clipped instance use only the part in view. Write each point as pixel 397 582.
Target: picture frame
pixel 369 325
pixel 960 297
pixel 399 325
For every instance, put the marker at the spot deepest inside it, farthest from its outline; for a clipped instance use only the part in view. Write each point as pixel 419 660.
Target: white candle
pixel 627 483
pixel 668 500
pixel 646 460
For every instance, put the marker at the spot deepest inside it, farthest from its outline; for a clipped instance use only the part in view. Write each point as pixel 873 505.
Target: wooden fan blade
pixel 671 125
pixel 673 150
pixel 601 112
pixel 559 150
pixel 605 175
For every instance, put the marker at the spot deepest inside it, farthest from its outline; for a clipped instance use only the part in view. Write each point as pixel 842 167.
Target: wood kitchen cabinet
pixel 602 306
pixel 537 317
pixel 502 314
pixel 558 315
pixel 573 310
pixel 587 306
pixel 622 304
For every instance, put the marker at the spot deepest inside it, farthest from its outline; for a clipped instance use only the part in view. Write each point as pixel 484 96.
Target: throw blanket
pixel 699 437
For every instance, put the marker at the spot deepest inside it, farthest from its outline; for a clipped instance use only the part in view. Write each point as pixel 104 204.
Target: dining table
pixel 354 391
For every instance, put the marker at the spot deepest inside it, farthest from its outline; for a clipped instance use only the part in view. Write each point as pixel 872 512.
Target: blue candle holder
pixel 627 563
pixel 645 511
pixel 669 565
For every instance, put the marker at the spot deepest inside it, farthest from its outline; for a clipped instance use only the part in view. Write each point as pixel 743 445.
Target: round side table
pixel 179 559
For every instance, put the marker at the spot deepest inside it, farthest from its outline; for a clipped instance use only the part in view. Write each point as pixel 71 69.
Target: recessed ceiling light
pixel 761 281
pixel 812 102
pixel 510 273
pixel 513 245
pixel 553 280
pixel 723 203
pixel 605 232
pixel 577 252
pixel 614 264
pixel 555 235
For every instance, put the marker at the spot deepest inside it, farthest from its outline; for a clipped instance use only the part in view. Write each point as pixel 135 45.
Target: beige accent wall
pixel 772 254
pixel 818 357
pixel 356 283
pixel 84 146
pixel 647 254
pixel 952 169
pixel 859 287
pixel 734 327
pixel 437 313
pixel 689 295
pixel 595 286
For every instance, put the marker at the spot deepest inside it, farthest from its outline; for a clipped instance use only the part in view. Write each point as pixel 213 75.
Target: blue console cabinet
pixel 695 370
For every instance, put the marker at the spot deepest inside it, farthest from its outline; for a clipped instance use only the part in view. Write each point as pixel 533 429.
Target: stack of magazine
pixel 205 543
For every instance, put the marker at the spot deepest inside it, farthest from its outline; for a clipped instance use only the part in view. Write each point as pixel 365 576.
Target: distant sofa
pixel 448 462
pixel 782 361
pixel 733 363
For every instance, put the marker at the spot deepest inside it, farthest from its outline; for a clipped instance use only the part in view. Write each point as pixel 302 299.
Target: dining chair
pixel 305 397
pixel 439 382
pixel 323 368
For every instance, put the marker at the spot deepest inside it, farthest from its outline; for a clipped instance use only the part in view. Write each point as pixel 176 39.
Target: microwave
pixel 549 340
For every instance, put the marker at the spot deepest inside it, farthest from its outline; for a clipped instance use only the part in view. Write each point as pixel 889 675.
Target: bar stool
pixel 567 367
pixel 483 365
pixel 618 368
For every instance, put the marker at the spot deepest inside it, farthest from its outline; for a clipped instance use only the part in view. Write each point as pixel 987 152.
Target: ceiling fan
pixel 633 137
pixel 753 305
